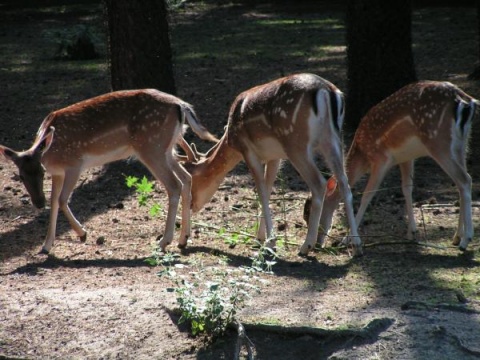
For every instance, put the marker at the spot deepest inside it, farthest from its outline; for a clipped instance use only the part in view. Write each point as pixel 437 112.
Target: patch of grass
pixel 466 281
pixel 289 38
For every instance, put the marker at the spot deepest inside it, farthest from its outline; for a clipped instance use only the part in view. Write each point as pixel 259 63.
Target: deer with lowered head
pixel 426 118
pixel 143 123
pixel 294 118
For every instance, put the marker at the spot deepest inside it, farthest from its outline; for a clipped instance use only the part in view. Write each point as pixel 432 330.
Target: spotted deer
pixel 426 118
pixel 142 123
pixel 292 118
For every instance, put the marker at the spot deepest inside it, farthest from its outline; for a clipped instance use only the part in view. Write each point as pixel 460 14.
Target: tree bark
pixel 139 45
pixel 379 53
pixel 475 75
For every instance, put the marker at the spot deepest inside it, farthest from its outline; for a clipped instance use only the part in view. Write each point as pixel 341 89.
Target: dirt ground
pixel 101 300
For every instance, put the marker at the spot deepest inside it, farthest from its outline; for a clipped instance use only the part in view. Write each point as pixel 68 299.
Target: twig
pixel 410 242
pixel 275 198
pixel 242 340
pixel 214 227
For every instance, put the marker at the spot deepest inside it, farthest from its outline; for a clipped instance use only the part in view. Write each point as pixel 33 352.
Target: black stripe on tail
pixel 465 112
pixel 181 117
pixel 334 108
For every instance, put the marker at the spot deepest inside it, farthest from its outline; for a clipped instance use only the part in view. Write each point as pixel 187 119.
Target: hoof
pixel 456 240
pixel 162 244
pixel 464 244
pixel 358 253
pixel 345 241
pixel 43 251
pixel 304 250
pixel 183 244
pixel 83 238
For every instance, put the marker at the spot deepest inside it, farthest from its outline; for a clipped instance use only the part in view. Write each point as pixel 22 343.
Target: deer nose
pixel 39 203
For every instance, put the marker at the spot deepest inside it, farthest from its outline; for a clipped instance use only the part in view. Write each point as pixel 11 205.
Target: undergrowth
pixel 208 297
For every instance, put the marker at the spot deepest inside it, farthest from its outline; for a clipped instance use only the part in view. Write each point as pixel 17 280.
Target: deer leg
pixel 376 176
pixel 161 168
pixel 407 171
pixel 307 169
pixel 69 182
pixel 334 158
pixel 463 181
pixel 352 222
pixel 271 170
pixel 57 185
pixel 186 180
pixel 257 170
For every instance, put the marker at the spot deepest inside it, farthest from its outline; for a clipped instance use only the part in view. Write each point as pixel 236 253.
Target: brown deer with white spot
pixel 292 118
pixel 426 118
pixel 142 123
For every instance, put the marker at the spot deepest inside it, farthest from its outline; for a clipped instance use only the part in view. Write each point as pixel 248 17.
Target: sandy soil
pixel 100 300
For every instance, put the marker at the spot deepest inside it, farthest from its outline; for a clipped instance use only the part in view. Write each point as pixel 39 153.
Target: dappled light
pixel 104 298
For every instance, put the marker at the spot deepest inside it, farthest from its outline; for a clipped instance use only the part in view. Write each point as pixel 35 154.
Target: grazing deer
pixel 292 118
pixel 144 123
pixel 426 118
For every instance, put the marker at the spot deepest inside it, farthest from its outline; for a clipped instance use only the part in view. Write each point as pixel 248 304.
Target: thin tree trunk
pixel 379 53
pixel 139 45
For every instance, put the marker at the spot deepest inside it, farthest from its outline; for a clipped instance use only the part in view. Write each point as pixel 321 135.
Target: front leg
pixel 70 180
pixel 271 170
pixel 57 185
pixel 406 170
pixel 186 180
pixel 257 170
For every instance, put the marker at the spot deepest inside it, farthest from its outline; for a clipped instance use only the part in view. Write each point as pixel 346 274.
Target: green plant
pixel 144 189
pixel 234 238
pixel 264 259
pixel 208 298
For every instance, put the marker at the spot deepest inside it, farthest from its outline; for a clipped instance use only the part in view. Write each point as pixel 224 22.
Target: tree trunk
pixel 379 53
pixel 475 75
pixel 139 45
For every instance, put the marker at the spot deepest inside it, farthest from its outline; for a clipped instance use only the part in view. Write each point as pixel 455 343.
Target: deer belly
pixel 97 159
pixel 269 149
pixel 409 150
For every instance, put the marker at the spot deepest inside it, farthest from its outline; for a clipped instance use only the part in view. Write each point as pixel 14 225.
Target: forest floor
pixel 101 300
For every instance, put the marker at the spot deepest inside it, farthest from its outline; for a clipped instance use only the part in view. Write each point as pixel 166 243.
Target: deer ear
pixel 48 139
pixel 44 143
pixel 8 153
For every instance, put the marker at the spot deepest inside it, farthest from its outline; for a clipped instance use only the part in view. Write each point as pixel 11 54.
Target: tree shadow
pixel 95 197
pixel 52 262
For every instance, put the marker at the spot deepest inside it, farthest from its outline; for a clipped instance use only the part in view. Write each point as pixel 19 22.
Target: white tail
pixel 426 118
pixel 290 118
pixel 144 123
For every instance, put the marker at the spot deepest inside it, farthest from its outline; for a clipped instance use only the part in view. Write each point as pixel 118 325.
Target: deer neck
pixel 356 164
pixel 209 174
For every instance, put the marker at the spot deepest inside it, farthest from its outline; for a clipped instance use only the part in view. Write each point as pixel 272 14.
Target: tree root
pixel 367 332
pixel 461 345
pixel 441 330
pixel 420 305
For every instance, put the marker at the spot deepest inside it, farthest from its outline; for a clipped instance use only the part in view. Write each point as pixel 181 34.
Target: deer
pixel 295 117
pixel 423 119
pixel 144 123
